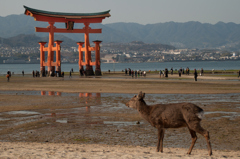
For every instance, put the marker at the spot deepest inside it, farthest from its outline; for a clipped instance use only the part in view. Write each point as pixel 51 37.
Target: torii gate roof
pixel 41 15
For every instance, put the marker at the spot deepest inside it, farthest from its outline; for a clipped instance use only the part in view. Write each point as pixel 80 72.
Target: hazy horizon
pixel 137 11
pixel 148 23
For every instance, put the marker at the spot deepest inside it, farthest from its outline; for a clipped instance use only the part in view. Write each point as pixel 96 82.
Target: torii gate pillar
pixel 42 58
pixel 88 62
pixel 80 59
pixel 97 58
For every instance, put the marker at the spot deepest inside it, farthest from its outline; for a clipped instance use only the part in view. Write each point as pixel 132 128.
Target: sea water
pixel 66 67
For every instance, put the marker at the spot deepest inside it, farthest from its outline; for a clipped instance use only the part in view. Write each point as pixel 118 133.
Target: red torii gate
pixel 69 19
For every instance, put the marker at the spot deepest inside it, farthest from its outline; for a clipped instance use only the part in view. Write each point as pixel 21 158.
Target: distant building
pixel 12 61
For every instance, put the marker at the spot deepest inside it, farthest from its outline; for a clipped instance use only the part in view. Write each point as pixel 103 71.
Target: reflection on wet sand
pixel 88 99
pixel 43 93
pixel 79 117
pixel 93 98
pixel 81 95
pixel 51 93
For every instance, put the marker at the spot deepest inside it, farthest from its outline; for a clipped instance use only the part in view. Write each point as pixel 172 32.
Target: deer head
pixel 136 101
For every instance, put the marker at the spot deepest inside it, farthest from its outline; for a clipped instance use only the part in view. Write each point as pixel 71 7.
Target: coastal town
pixel 121 53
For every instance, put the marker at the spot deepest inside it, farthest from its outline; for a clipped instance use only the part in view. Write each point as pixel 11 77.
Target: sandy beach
pixel 56 151
pixel 87 117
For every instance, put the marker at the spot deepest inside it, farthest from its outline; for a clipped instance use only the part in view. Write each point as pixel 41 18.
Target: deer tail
pixel 200 114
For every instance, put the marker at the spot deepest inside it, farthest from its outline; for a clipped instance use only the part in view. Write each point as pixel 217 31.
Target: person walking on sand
pixel 33 73
pixel 171 71
pixel 23 72
pixel 201 73
pixel 195 74
pixel 187 71
pixel 129 71
pixel 160 73
pixel 179 72
pixel 166 72
pixel 238 73
pixel 8 76
pixel 70 74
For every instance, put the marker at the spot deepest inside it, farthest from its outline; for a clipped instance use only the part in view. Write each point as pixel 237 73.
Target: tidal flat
pixel 93 111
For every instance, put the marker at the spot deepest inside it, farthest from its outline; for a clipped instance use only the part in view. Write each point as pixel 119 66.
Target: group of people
pixel 135 73
pixel 35 74
pixel 46 73
pixel 164 73
pixel 182 71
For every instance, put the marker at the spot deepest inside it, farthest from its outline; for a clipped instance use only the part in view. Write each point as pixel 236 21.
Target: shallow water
pixel 156 98
pixel 104 103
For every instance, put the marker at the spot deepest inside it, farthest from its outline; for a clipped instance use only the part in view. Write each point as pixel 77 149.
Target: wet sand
pixel 92 127
pixel 119 83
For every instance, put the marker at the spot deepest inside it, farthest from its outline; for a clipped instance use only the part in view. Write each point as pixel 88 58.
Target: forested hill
pixel 181 35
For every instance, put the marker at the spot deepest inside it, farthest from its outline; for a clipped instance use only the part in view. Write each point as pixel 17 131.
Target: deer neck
pixel 144 110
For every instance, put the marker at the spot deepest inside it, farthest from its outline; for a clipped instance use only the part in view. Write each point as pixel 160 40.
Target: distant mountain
pixel 181 35
pixel 184 35
pixel 28 40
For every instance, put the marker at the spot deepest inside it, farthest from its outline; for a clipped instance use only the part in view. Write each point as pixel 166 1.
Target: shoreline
pixel 140 62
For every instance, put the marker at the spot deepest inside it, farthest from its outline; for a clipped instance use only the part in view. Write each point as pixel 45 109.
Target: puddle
pixel 51 93
pixel 221 112
pixel 157 98
pixel 22 112
pixel 2 119
pixel 125 123
pixel 120 123
pixel 231 115
pixel 62 121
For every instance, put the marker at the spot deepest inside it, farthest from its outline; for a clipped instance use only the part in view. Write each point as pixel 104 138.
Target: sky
pixel 137 11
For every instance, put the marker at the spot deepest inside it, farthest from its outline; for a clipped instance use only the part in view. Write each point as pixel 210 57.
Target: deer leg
pixel 207 137
pixel 197 127
pixel 160 140
pixel 194 139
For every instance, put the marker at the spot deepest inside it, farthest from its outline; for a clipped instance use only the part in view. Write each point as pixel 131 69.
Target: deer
pixel 172 115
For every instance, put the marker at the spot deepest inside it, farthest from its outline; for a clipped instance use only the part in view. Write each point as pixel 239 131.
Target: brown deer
pixel 175 115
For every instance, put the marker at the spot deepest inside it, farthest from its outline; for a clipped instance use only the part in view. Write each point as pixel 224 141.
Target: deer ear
pixel 141 95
